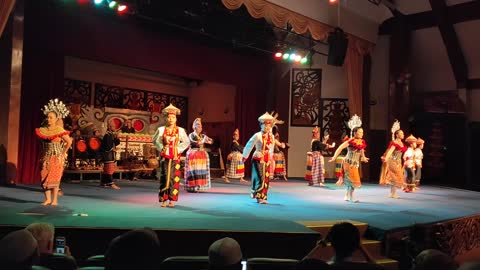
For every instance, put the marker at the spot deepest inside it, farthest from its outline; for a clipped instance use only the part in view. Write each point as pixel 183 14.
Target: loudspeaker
pixel 337 49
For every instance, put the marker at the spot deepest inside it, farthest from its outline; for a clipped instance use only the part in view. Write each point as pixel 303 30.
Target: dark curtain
pixel 55 30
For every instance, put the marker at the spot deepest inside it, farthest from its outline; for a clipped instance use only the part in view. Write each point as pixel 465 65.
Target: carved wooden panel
pixel 335 115
pixel 305 97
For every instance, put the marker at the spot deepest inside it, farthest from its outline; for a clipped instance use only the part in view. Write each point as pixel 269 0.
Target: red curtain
pixel 53 31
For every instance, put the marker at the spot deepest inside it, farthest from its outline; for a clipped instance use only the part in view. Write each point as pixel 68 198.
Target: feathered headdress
pixel 266 118
pixel 395 127
pixel 56 106
pixel 276 121
pixel 354 122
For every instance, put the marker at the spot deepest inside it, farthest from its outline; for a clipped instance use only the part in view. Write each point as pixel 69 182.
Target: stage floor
pixel 228 207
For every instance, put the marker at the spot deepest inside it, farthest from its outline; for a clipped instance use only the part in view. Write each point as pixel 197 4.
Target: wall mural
pixel 305 97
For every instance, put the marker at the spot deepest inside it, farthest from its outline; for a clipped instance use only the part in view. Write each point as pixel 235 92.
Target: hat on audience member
pixel 224 252
pixel 17 246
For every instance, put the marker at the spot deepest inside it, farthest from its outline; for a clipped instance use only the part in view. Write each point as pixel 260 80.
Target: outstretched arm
pixel 338 151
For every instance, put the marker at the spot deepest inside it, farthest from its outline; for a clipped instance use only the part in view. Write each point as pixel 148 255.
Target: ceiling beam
pixel 450 39
pixel 463 12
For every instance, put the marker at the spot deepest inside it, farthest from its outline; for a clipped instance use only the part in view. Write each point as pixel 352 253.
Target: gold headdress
pixel 170 109
pixel 395 127
pixel 266 118
pixel 315 131
pixel 56 106
pixel 354 122
pixel 411 139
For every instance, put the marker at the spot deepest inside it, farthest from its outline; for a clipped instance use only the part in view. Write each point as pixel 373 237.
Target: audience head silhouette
pixel 224 254
pixel 345 239
pixel 137 249
pixel 18 250
pixel 432 259
pixel 44 233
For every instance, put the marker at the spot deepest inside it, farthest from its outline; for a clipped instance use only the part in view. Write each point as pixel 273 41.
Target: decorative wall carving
pixel 458 236
pixel 305 97
pixel 335 115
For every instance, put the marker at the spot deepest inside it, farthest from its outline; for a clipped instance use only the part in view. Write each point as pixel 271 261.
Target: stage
pixel 227 209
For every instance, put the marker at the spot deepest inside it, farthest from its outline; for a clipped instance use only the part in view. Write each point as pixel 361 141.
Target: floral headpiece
pixel 315 131
pixel 170 109
pixel 395 127
pixel 411 139
pixel 420 141
pixel 56 106
pixel 354 122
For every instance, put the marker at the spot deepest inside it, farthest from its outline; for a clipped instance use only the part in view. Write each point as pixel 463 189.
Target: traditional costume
pixel 197 164
pixel 170 141
pixel 235 165
pixel 315 165
pixel 107 148
pixel 418 156
pixel 263 142
pixel 55 144
pixel 392 169
pixel 409 164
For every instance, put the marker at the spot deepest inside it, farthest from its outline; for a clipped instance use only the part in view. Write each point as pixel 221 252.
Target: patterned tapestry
pixel 305 97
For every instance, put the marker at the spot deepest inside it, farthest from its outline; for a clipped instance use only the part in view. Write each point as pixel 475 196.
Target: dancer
pixel 170 140
pixel 263 142
pixel 109 142
pixel 392 171
pixel 409 164
pixel 56 142
pixel 197 164
pixel 355 154
pixel 316 165
pixel 235 166
pixel 418 155
pixel 280 167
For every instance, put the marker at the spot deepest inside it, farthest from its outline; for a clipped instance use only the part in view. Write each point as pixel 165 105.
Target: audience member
pixel 44 234
pixel 18 250
pixel 345 240
pixel 432 259
pixel 225 254
pixel 138 249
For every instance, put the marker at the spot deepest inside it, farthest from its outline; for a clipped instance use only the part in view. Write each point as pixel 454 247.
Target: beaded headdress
pixel 170 109
pixel 354 122
pixel 395 127
pixel 56 106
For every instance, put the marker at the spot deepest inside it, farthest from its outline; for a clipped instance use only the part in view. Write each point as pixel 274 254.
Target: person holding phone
pixel 48 246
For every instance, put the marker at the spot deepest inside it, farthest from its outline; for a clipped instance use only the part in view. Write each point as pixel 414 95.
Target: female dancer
pixel 409 163
pixel 235 166
pixel 280 168
pixel 197 164
pixel 170 140
pixel 316 164
pixel 355 153
pixel 263 142
pixel 392 171
pixel 56 142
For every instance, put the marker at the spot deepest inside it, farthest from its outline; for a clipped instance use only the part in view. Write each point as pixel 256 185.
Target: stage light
pixel 278 55
pixel 298 58
pixel 332 2
pixel 303 61
pixel 112 4
pixel 286 55
pixel 122 8
pixel 292 56
pixel 97 2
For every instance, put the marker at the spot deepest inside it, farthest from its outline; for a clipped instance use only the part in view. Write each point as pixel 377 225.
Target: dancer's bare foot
pixel 46 202
pixel 394 196
pixel 113 186
pixel 346 198
pixel 260 201
pixel 354 201
pixel 171 204
pixel 285 178
pixel 164 204
pixel 322 184
pixel 225 179
pixel 60 193
pixel 54 203
pixel 243 180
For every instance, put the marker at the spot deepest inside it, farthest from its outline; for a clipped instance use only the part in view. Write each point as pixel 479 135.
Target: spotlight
pixel 286 55
pixel 112 4
pixel 122 8
pixel 332 2
pixel 97 2
pixel 278 55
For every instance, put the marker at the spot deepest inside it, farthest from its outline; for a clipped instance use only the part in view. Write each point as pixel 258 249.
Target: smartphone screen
pixel 60 244
pixel 244 265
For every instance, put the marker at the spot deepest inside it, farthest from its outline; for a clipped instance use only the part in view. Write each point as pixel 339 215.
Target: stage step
pixel 373 247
